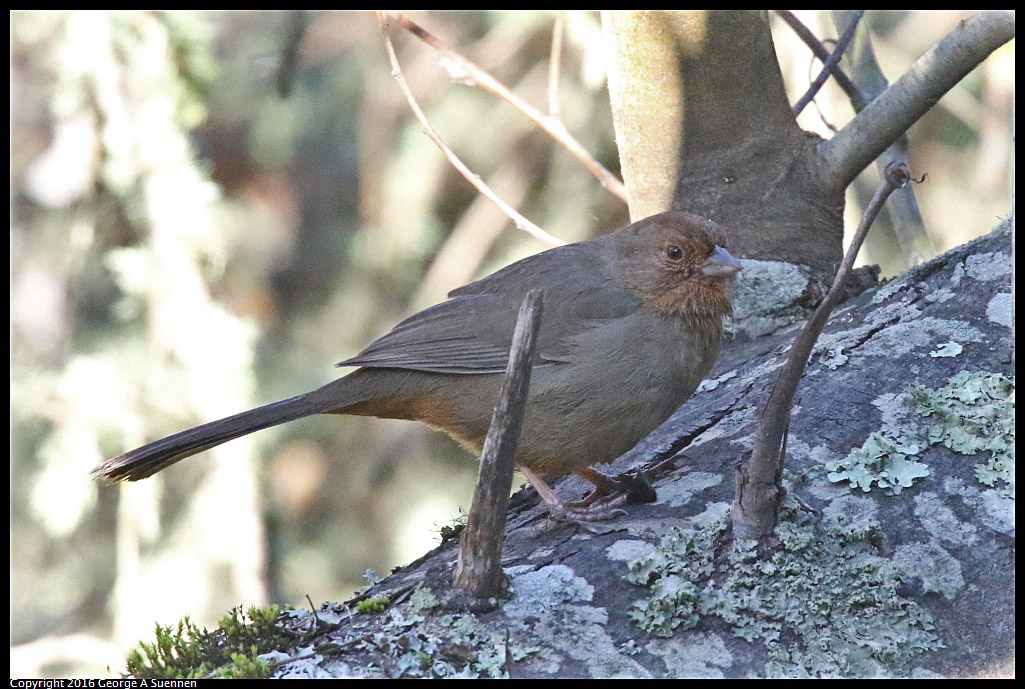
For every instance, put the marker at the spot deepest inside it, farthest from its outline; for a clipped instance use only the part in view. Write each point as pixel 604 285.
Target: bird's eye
pixel 674 252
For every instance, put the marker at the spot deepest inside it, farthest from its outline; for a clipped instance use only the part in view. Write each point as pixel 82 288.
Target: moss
pixel 823 604
pixel 372 606
pixel 245 666
pixel 454 527
pixel 186 652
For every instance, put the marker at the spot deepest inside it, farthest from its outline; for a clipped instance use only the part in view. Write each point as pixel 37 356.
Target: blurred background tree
pixel 210 209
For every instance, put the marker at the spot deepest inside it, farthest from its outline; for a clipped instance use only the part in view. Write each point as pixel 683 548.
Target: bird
pixel 632 324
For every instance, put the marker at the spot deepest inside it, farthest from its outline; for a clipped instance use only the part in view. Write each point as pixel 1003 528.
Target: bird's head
pixel 676 263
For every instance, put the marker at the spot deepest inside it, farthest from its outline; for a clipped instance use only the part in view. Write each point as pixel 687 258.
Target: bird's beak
pixel 720 264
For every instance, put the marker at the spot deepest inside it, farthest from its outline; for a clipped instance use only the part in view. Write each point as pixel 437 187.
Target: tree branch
pixel 900 106
pixel 830 63
pixel 822 53
pixel 554 65
pixel 902 210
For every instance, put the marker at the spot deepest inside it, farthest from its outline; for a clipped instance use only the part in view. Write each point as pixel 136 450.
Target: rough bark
pixel 941 550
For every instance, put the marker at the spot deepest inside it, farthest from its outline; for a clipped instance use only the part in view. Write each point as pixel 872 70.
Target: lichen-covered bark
pixel 899 563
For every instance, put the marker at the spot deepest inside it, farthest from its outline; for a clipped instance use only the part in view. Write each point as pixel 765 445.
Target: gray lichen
pixel 767 296
pixel 823 605
pixel 938 570
pixel 988 266
pixel 974 413
pixel 881 461
pixel 999 309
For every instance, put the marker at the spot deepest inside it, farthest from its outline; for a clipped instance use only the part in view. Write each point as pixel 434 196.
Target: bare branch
pixel 551 125
pixel 432 134
pixel 479 570
pixel 288 66
pixel 759 495
pixel 830 63
pixel 822 53
pixel 900 106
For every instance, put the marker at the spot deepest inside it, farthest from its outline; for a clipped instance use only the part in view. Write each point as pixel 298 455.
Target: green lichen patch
pixel 230 651
pixel 974 413
pixel 822 605
pixel 423 600
pixel 882 461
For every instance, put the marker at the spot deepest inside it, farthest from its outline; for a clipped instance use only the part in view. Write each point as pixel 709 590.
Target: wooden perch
pixel 479 571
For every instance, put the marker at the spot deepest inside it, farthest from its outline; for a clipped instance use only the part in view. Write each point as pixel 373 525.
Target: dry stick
pixel 833 61
pixel 551 125
pixel 432 134
pixel 479 570
pixel 759 493
pixel 554 63
pixel 822 53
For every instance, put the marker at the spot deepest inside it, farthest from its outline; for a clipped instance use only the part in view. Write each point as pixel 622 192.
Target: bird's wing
pixel 472 331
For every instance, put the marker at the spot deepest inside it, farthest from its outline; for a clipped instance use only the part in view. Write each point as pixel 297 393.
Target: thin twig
pixel 760 492
pixel 313 608
pixel 551 125
pixel 432 134
pixel 858 99
pixel 554 64
pixel 831 62
pixel 478 572
pixel 902 208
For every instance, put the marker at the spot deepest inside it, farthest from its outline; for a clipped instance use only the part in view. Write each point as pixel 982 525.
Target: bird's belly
pixel 570 428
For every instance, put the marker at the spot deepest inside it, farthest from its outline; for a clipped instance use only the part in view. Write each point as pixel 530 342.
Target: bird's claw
pixel 584 517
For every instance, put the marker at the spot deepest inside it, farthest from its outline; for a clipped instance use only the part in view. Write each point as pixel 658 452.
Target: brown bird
pixel 632 323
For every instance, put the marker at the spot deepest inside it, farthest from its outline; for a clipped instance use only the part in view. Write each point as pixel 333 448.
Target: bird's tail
pixel 147 460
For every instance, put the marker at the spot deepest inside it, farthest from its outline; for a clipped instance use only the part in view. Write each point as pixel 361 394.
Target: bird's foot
pixel 597 510
pixel 629 488
pixel 601 508
pixel 586 518
pixel 595 496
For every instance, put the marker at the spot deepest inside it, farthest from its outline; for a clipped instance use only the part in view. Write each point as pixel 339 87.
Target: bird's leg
pixel 603 486
pixel 560 510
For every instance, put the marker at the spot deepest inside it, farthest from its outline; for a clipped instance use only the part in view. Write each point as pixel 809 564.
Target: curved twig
pixel 831 62
pixel 553 126
pixel 760 492
pixel 432 134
